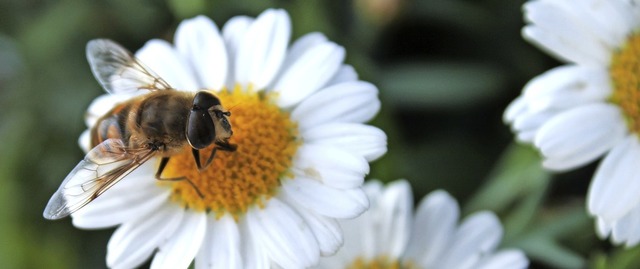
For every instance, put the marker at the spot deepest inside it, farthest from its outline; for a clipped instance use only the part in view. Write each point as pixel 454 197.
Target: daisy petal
pixel 180 248
pixel 345 102
pixel 331 166
pixel 106 213
pixel 478 234
pixel 433 228
pixel 301 46
pixel 233 32
pixel 254 255
pixel 603 229
pixel 508 258
pixel 324 200
pixel 346 73
pixel 616 184
pixel 326 230
pixel 528 125
pixel 308 73
pixel 285 236
pixel 396 213
pixel 359 139
pixel 221 246
pixel 608 21
pixel 516 108
pixel 367 225
pixel 135 241
pixel 84 141
pixel 580 135
pixel 559 33
pixel 626 230
pixel 170 67
pixel 199 41
pixel 102 104
pixel 567 86
pixel 263 49
pixel 119 203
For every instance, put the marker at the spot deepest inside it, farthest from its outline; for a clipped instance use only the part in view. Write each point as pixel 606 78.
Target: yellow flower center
pixel 380 262
pixel 625 77
pixel 267 141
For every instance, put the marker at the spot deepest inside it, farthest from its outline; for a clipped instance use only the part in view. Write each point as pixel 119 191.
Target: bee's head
pixel 208 121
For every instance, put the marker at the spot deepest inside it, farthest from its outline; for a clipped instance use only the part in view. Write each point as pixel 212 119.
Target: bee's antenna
pixel 235 105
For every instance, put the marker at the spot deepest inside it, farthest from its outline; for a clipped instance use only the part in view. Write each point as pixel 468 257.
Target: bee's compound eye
pixel 205 100
pixel 200 131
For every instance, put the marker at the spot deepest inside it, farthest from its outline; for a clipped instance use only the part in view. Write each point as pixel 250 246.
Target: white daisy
pixel 389 236
pixel 302 155
pixel 588 108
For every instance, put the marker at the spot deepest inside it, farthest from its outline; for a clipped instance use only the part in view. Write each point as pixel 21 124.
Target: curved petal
pixel 120 204
pixel 221 246
pixel 345 102
pixel 308 73
pixel 346 73
pixel 254 255
pixel 284 235
pixel 603 229
pixel 330 165
pixel 135 241
pixel 324 200
pixel 433 228
pixel 102 104
pixel 528 125
pixel 561 34
pixel 263 49
pixel 360 139
pixel 394 215
pixel 365 226
pixel 111 212
pixel 567 86
pixel 627 229
pixel 508 258
pixel 608 21
pixel 233 33
pixel 179 249
pixel 616 183
pixel 84 141
pixel 479 234
pixel 164 60
pixel 326 230
pixel 580 135
pixel 516 108
pixel 199 42
pixel 302 45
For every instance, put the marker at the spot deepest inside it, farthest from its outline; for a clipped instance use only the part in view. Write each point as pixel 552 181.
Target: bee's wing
pixel 102 167
pixel 119 71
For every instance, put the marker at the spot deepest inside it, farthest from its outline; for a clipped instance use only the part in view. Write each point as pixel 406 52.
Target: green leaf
pixel 620 258
pixel 447 85
pixel 519 172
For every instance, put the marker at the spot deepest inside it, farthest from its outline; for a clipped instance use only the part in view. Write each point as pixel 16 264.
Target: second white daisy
pixel 588 108
pixel 389 236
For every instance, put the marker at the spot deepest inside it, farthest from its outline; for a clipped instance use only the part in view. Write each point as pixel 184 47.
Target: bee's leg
pixel 163 164
pixel 221 146
pixel 226 146
pixel 210 159
pixel 196 157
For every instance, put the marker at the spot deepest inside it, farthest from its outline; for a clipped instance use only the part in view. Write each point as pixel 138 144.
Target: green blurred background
pixel 446 69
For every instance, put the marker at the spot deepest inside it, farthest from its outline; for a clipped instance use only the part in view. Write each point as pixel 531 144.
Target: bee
pixel 161 122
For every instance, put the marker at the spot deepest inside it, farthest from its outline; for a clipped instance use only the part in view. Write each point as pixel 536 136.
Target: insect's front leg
pixel 163 164
pixel 226 146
